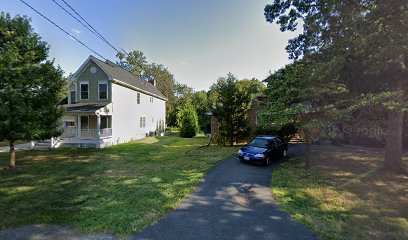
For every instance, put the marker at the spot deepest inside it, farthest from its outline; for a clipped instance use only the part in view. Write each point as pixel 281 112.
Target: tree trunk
pixel 393 139
pixel 12 155
pixel 307 152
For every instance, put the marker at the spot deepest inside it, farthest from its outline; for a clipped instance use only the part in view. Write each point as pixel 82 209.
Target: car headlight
pixel 260 155
pixel 239 152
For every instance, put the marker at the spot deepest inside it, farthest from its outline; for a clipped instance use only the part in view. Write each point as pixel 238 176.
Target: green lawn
pixel 120 189
pixel 345 195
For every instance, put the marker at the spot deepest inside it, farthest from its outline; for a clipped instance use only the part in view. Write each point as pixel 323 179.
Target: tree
pixel 366 40
pixel 253 86
pixel 283 90
pixel 231 108
pixel 201 104
pixel 30 86
pixel 188 120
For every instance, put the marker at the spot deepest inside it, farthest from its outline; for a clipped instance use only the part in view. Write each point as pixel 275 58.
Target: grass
pixel 120 189
pixel 345 195
pixel 6 143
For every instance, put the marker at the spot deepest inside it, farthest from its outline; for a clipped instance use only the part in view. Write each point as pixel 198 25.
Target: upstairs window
pixel 84 88
pixel 72 95
pixel 103 90
pixel 138 98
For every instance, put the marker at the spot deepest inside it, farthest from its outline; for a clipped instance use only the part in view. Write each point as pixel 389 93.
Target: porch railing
pixel 105 132
pixel 69 132
pixel 90 133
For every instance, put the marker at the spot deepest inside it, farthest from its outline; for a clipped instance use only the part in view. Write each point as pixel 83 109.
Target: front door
pixel 84 122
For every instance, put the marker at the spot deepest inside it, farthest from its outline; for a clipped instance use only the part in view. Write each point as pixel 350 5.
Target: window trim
pixel 80 89
pixel 107 90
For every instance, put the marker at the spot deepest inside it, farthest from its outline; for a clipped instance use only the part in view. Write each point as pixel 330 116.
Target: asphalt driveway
pixel 234 202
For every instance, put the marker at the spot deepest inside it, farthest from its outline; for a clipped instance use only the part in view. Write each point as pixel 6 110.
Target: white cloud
pixel 76 31
pixel 185 64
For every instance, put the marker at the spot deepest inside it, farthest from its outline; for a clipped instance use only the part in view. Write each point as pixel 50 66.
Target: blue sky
pixel 199 41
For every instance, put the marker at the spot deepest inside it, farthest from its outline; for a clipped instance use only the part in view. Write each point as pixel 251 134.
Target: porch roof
pixel 83 107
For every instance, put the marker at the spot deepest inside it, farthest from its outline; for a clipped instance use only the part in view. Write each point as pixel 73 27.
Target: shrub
pixel 188 121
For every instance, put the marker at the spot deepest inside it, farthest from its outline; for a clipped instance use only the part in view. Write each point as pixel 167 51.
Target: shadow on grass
pixel 372 205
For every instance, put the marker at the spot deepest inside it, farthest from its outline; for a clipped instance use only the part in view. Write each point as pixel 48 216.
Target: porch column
pixel 79 126
pixel 98 126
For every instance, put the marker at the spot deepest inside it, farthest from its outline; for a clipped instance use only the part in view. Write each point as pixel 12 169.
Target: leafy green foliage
pixel 252 86
pixel 202 106
pixel 284 89
pixel 231 108
pixel 362 47
pixel 188 120
pixel 30 86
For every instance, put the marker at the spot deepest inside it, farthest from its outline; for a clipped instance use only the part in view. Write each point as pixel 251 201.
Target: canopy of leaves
pixel 359 45
pixel 30 86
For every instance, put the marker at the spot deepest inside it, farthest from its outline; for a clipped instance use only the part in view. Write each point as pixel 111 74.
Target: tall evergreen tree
pixel 188 120
pixel 231 108
pixel 30 86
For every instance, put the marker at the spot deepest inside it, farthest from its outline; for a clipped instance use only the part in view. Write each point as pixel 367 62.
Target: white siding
pixel 126 114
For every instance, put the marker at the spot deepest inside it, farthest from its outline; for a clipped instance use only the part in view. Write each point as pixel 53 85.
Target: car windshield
pixel 260 143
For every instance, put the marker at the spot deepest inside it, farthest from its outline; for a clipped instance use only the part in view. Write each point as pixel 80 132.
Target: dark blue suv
pixel 263 149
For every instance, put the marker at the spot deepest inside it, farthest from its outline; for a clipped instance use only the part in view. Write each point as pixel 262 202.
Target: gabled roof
pixel 125 78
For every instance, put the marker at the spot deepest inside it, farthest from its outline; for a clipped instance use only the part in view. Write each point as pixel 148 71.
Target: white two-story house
pixel 108 105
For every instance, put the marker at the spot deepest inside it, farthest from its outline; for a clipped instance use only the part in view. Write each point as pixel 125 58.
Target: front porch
pixel 86 127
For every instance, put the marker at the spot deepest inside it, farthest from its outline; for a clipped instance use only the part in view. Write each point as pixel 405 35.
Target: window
pixel 105 122
pixel 72 95
pixel 84 91
pixel 138 98
pixel 142 122
pixel 103 90
pixel 151 99
pixel 84 122
pixel 69 123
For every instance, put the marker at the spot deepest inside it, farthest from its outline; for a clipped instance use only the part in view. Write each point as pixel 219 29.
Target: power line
pixel 94 30
pixel 73 37
pixel 60 28
pixel 59 5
